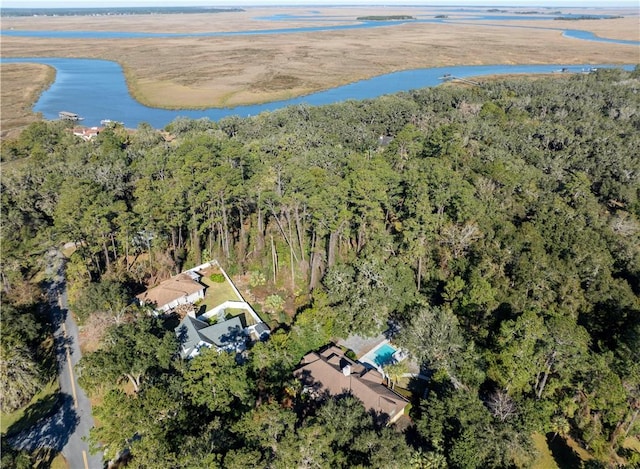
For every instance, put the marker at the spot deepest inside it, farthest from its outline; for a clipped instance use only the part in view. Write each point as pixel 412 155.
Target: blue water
pixel 96 90
pixel 135 35
pixel 286 17
pixel 589 36
pixel 383 354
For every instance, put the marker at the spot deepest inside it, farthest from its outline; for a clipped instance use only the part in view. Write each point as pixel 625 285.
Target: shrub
pixel 274 303
pixel 350 354
pixel 217 278
pixel 256 279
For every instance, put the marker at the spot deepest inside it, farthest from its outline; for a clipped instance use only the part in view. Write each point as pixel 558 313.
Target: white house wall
pixel 190 299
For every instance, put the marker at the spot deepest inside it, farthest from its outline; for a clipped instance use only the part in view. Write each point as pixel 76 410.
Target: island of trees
pixel 586 17
pixel 493 231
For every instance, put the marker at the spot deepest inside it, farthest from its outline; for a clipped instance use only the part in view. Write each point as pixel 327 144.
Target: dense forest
pixel 494 230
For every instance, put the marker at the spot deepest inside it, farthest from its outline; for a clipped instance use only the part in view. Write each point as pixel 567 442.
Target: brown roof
pixel 324 372
pixel 170 290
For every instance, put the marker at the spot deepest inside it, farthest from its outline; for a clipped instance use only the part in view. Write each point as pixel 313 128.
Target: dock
pixel 70 116
pixel 449 77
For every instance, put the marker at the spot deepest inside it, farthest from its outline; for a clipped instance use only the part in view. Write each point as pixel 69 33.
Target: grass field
pixel 197 72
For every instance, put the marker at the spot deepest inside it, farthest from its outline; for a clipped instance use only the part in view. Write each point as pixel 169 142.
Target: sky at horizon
pixel 249 3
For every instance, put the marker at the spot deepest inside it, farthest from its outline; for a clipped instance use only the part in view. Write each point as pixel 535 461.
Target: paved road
pixel 68 429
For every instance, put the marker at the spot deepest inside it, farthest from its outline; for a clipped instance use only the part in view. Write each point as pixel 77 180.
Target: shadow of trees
pixel 56 421
pixel 36 411
pixel 562 453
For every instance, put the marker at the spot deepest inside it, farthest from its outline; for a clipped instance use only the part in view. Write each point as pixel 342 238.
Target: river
pixel 96 90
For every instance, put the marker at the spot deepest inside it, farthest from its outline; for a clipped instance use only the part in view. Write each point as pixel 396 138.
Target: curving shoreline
pixel 96 90
pixel 198 71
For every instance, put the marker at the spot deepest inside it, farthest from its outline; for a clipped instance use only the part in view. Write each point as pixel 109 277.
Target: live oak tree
pixel 130 352
pixel 108 298
pixel 21 374
pixel 433 336
pixel 216 381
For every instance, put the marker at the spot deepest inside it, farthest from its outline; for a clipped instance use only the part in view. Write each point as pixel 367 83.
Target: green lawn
pixel 40 406
pixel 49 458
pixel 632 443
pixel 545 458
pixel 217 293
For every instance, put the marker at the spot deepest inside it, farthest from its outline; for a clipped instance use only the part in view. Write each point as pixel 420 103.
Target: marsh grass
pixel 22 84
pixel 202 72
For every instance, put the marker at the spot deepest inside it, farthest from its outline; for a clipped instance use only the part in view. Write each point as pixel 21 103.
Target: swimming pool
pixel 383 354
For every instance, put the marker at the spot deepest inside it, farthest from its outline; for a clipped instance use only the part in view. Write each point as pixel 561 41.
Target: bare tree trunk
pixel 135 381
pixel 316 263
pixel 225 225
pixel 282 232
pixel 633 419
pixel 333 241
pixel 5 282
pixel 361 236
pixel 126 250
pixel 274 259
pixel 212 230
pixel 260 231
pixel 300 230
pixel 293 270
pixel 106 253
pixel 173 241
pixel 545 376
pixel 195 245
pixel 113 247
pixel 241 249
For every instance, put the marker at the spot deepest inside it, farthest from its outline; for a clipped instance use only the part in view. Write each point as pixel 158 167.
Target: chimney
pixel 346 370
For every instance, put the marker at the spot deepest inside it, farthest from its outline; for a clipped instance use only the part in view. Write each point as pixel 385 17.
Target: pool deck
pixel 369 358
pixel 362 345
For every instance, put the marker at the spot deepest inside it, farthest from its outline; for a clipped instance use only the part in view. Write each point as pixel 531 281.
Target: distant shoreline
pixel 254 57
pixel 112 11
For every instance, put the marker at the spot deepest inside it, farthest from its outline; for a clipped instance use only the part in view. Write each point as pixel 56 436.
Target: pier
pixel 70 116
pixel 449 77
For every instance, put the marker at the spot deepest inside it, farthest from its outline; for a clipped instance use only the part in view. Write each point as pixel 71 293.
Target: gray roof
pixel 192 331
pixel 223 333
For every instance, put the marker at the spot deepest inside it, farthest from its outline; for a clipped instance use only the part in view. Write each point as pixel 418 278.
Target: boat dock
pixel 449 77
pixel 70 116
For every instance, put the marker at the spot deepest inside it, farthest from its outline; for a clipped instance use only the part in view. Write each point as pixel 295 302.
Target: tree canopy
pixel 495 231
